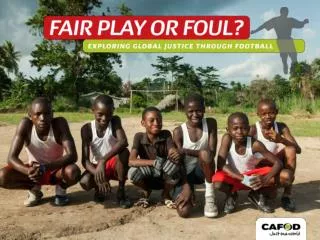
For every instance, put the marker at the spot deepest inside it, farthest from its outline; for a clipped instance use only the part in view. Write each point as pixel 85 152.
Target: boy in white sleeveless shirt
pixel 51 155
pixel 237 165
pixel 104 152
pixel 197 141
pixel 277 138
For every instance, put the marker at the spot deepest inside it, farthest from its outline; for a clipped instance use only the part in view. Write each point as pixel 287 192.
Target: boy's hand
pixel 174 155
pixel 273 135
pixel 100 175
pixel 257 182
pixel 246 181
pixel 184 197
pixel 104 188
pixel 35 172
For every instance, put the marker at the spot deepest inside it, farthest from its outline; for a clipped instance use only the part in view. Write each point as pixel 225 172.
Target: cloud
pixel 135 67
pixel 268 15
pixel 27 70
pixel 12 23
pixel 308 33
pixel 263 65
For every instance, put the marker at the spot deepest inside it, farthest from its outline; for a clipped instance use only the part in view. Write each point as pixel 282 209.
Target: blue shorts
pixel 194 177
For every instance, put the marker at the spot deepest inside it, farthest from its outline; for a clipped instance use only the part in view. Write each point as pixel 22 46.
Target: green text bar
pixel 195 46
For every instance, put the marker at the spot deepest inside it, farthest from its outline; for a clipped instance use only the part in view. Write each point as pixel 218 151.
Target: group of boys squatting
pixel 259 158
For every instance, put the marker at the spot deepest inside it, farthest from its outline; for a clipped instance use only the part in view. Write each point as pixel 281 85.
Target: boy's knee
pixel 3 177
pixel 85 181
pixel 290 151
pixel 206 156
pixel 218 185
pixel 185 211
pixel 72 173
pixel 124 156
pixel 286 177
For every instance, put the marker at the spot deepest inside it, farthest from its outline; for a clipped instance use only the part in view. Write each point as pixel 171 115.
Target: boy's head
pixel 267 112
pixel 102 109
pixel 152 120
pixel 194 108
pixel 238 126
pixel 40 113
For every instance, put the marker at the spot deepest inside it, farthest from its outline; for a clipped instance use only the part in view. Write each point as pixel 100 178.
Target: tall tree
pixel 280 87
pixel 9 57
pixel 187 80
pixel 210 83
pixel 167 66
pixel 65 59
pixel 5 84
pixel 301 79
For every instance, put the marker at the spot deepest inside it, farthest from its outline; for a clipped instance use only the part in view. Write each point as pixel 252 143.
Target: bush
pixel 63 104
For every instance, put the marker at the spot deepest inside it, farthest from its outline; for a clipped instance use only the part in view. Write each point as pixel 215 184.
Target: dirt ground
pixel 84 219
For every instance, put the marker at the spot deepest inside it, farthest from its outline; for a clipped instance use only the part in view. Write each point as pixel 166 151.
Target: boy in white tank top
pixel 237 165
pixel 51 155
pixel 197 141
pixel 104 152
pixel 277 138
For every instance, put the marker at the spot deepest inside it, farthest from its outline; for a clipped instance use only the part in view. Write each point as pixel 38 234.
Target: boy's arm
pixel 258 147
pixel 213 135
pixel 19 138
pixel 287 138
pixel 86 137
pixel 133 158
pixel 253 131
pixel 173 152
pixel 178 141
pixel 67 142
pixel 121 138
pixel 222 158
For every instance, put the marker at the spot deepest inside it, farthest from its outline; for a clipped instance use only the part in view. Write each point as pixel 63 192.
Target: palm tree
pixel 9 57
pixel 301 78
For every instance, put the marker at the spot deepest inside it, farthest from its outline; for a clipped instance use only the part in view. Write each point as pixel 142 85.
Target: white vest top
pixel 191 162
pixel 241 163
pixel 101 146
pixel 271 146
pixel 43 151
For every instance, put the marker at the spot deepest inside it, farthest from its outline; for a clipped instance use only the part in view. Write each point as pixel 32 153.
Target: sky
pixel 242 67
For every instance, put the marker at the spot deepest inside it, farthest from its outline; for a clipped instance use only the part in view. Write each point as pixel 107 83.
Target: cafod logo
pixel 281 228
pixel 286 226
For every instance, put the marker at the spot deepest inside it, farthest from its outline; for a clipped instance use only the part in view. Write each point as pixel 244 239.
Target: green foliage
pixel 9 57
pixel 211 85
pixel 5 84
pixel 138 101
pixel 63 104
pixel 76 71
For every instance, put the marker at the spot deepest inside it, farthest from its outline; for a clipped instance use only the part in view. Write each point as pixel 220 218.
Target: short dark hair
pixel 240 115
pixel 42 100
pixel 104 99
pixel 194 98
pixel 150 109
pixel 267 101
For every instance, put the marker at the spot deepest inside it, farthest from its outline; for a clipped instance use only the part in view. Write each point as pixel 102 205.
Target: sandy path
pixel 84 219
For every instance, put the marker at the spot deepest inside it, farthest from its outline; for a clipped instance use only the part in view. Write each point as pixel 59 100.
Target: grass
pixel 300 125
